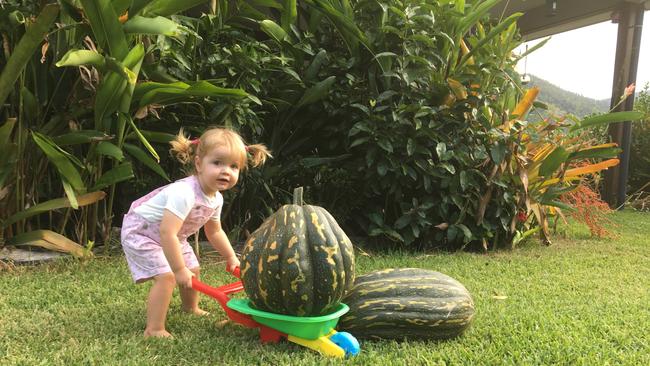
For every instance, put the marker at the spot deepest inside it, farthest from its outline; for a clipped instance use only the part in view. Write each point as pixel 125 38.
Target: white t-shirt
pixel 178 198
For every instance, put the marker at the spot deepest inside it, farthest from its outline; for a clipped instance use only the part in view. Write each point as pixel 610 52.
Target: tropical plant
pixel 551 159
pixel 291 74
pixel 83 130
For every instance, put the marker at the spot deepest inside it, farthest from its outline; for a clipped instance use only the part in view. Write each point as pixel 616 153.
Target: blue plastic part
pixel 346 341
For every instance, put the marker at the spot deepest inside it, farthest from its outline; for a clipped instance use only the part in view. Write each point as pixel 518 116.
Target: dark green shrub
pixel 395 136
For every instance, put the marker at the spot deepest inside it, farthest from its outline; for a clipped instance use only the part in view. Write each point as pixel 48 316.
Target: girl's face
pixel 217 170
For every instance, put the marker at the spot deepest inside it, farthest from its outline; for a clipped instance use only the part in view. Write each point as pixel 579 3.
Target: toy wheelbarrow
pixel 316 333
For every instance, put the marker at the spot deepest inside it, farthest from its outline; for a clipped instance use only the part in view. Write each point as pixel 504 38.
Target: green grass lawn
pixel 580 301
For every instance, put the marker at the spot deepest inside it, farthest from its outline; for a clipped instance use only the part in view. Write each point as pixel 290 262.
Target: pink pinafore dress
pixel 141 238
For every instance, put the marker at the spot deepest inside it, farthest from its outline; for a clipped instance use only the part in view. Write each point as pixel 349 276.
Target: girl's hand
pixel 184 277
pixel 232 263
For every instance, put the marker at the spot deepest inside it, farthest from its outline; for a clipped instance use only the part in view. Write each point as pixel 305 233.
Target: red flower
pixel 521 216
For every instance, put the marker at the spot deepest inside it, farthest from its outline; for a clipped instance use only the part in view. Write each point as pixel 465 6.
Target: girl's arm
pixel 219 241
pixel 169 228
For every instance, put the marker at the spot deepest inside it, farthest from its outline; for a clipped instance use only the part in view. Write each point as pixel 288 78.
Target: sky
pixel 582 60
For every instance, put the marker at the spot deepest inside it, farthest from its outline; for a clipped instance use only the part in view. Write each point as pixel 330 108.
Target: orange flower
pixel 124 17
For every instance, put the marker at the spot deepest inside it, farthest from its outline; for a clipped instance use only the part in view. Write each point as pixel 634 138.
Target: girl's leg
pixel 190 298
pixel 157 305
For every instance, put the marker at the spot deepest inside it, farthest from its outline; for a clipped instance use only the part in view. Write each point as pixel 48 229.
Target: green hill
pixel 562 101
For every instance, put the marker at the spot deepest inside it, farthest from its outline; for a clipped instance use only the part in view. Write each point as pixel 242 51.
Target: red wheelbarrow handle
pixel 221 295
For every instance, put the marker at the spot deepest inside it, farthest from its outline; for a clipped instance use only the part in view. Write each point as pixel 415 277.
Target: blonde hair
pixel 185 149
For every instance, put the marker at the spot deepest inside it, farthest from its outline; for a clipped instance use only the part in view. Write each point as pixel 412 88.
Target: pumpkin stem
pixel 297 196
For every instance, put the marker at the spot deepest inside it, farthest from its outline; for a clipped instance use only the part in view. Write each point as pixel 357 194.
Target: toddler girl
pixel 155 230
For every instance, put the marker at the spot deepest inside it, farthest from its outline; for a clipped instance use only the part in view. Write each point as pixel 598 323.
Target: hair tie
pixel 247 148
pixel 195 141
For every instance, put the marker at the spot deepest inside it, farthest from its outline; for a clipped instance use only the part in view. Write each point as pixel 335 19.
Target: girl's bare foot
pixel 157 334
pixel 196 311
pixel 222 323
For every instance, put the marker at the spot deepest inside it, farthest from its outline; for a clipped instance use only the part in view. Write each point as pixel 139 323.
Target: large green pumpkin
pixel 298 262
pixel 407 303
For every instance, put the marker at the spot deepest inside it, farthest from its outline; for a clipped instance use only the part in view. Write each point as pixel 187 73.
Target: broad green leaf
pixel 30 105
pixel 107 98
pixel 410 146
pixel 602 119
pixel 314 162
pixel 441 149
pixel 267 3
pixel 164 96
pixel 82 57
pixel 153 136
pixel 448 167
pixel 110 91
pixel 5 131
pixel 205 89
pixel 69 192
pixel 143 139
pixel 289 14
pixel 8 162
pixel 385 144
pixel 531 50
pixel 553 161
pixel 248 11
pixel 464 178
pixel 341 16
pixel 137 6
pixel 492 34
pixel 403 221
pixel 109 149
pixel 460 6
pixel 143 88
pixel 120 173
pixel 60 160
pixel 24 50
pixel 160 94
pixel 83 200
pixel 314 67
pixel 80 137
pixel 273 30
pixel 127 98
pixel 155 25
pixel 558 204
pixel 384 54
pixel 170 7
pixel 467 233
pixel 604 153
pixel 106 26
pixel 498 153
pixel 477 12
pixel 553 192
pixel 316 92
pixel 142 156
pixel 121 6
pixel 120 69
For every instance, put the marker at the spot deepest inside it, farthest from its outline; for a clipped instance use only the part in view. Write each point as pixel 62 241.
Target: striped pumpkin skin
pixel 407 303
pixel 299 262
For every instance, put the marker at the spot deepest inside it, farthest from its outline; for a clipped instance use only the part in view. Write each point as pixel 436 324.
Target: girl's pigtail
pixel 258 153
pixel 182 148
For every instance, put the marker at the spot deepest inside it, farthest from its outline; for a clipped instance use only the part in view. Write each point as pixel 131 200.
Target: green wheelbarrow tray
pixel 307 327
